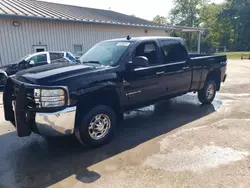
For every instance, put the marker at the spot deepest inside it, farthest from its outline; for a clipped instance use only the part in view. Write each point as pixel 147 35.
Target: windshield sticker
pixel 123 44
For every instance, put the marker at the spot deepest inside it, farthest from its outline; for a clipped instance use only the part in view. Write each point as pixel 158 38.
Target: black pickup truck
pixel 88 99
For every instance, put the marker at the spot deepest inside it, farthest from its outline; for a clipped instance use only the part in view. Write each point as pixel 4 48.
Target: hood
pixel 56 74
pixel 8 68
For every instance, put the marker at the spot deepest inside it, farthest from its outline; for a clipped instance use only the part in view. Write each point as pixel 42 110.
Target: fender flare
pixel 205 76
pixel 108 86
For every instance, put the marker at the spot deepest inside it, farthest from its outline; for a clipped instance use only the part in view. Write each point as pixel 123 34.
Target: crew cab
pixel 32 60
pixel 88 99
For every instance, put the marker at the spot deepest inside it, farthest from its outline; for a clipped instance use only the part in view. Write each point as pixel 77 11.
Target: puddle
pixel 195 160
pixel 217 104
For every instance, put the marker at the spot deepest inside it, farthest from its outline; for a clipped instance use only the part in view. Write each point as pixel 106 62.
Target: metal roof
pixel 33 9
pixel 46 10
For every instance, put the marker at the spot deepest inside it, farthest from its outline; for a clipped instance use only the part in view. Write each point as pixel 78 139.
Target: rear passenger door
pixel 178 73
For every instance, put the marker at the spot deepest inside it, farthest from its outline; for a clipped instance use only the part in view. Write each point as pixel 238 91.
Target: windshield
pixel 105 53
pixel 70 57
pixel 22 59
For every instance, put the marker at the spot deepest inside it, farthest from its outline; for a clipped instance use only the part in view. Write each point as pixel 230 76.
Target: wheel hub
pixel 99 126
pixel 210 91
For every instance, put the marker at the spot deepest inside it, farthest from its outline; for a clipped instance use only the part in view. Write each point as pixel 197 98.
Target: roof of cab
pixel 134 39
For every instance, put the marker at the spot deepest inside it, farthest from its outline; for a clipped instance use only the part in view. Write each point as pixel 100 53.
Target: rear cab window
pixel 173 51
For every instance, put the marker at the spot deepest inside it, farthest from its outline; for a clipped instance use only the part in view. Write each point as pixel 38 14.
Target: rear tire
pixel 207 94
pixel 97 127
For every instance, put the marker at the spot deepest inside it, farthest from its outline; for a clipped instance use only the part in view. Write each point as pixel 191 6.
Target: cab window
pixel 39 59
pixel 173 51
pixel 148 50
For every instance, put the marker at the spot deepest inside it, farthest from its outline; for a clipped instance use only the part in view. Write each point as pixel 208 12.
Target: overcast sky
pixel 140 8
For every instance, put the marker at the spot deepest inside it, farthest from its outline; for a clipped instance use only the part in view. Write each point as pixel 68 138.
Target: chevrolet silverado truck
pixel 88 99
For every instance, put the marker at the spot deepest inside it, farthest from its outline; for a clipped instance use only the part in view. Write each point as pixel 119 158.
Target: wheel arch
pixel 215 74
pixel 107 95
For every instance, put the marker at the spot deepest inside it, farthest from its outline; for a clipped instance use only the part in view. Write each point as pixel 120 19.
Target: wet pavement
pixel 171 144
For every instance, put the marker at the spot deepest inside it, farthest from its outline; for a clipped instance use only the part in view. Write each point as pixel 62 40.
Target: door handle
pixel 160 73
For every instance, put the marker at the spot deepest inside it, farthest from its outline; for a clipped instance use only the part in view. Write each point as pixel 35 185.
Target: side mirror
pixel 139 61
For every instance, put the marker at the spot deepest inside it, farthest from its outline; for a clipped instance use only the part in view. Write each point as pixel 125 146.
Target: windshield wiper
pixel 96 62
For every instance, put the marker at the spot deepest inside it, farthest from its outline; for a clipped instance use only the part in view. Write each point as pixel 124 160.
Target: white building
pixel 28 26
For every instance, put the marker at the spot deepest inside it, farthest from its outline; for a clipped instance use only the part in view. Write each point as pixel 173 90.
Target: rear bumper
pixel 55 122
pixel 225 77
pixel 224 72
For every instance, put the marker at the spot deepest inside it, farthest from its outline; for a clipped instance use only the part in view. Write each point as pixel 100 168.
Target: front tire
pixel 207 94
pixel 97 127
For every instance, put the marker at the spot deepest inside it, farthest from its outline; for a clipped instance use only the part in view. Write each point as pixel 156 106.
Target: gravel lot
pixel 176 144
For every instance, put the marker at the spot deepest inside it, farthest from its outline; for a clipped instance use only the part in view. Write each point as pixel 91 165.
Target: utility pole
pixel 199 43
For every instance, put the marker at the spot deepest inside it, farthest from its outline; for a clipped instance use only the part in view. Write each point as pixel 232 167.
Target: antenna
pixel 128 37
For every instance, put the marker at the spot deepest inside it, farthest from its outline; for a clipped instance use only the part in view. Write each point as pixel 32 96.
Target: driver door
pixel 142 84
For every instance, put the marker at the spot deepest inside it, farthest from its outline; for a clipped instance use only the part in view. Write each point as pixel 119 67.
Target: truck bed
pixel 201 59
pixel 202 64
pixel 194 55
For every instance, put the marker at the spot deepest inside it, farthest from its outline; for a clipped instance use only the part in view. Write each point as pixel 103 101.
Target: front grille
pixel 30 94
pixel 17 113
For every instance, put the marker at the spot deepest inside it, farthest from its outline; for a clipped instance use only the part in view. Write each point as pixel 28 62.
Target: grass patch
pixel 234 55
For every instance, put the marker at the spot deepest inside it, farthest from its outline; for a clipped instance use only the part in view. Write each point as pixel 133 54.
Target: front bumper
pixel 52 122
pixel 56 124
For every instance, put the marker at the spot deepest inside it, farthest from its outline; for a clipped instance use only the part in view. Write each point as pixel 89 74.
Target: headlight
pixel 50 97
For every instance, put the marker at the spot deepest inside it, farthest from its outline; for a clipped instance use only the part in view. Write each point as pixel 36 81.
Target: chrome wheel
pixel 99 126
pixel 210 91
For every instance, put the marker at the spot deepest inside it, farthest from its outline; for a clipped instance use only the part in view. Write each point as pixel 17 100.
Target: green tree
pixel 160 20
pixel 186 13
pixel 237 13
pixel 220 32
pixel 227 24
